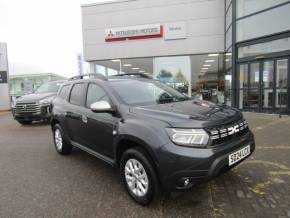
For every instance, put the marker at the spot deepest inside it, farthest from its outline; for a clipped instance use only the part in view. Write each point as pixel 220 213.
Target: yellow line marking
pixel 278 173
pixel 273 147
pixel 258 128
pixel 281 166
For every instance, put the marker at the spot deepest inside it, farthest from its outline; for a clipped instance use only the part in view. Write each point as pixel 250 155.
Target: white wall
pixel 204 19
pixel 4 87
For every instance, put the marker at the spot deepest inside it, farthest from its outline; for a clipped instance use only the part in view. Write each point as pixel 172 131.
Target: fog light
pixel 186 182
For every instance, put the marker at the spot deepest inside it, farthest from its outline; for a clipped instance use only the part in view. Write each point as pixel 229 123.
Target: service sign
pixel 3 77
pixel 175 31
pixel 134 32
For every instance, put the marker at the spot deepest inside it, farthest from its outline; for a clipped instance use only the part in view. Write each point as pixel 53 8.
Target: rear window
pixel 64 92
pixel 76 96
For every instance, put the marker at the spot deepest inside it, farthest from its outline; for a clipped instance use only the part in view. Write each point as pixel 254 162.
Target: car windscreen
pixel 146 92
pixel 51 87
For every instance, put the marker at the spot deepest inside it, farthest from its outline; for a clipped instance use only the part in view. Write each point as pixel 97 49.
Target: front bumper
pixel 181 168
pixel 42 114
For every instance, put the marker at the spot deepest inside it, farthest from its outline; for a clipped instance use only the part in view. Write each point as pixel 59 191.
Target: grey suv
pixel 160 140
pixel 36 106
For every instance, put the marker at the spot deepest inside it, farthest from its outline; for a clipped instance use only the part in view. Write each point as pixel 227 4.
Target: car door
pixel 100 127
pixel 74 114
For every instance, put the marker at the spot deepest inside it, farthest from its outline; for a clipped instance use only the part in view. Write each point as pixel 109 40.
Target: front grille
pixel 227 133
pixel 25 108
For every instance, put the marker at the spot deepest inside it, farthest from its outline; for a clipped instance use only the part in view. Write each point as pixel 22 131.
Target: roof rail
pixel 141 75
pixel 90 75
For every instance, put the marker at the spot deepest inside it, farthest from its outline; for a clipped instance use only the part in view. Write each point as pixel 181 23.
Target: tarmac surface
pixel 37 182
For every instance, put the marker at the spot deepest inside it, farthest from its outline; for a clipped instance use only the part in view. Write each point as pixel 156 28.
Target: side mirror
pixel 101 106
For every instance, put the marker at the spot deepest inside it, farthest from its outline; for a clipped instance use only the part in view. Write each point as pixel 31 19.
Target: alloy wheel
pixel 136 177
pixel 58 139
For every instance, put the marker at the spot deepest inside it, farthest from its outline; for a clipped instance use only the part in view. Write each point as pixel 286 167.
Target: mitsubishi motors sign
pixel 134 32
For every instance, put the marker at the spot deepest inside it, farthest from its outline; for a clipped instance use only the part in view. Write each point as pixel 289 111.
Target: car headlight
pixel 188 137
pixel 46 101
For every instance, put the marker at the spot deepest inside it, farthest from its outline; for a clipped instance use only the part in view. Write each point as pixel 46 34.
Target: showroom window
pixel 208 77
pixel 268 22
pixel 101 69
pixel 108 68
pixel 174 71
pixel 201 76
pixel 138 65
pixel 121 66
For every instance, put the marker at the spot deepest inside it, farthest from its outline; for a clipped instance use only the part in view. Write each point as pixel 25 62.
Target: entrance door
pixel 267 86
pixel 282 84
pixel 264 85
pixel 249 86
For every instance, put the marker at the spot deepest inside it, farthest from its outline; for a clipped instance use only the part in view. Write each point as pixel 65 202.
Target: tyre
pixel 61 145
pixel 25 122
pixel 139 176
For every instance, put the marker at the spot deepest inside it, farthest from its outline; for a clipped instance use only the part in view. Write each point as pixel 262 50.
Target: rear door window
pixel 76 95
pixel 64 92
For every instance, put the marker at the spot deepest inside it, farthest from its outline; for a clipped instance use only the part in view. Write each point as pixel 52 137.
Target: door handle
pixel 84 119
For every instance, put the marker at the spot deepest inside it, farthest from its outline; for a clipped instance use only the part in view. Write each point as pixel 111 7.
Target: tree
pixel 164 74
pixel 180 78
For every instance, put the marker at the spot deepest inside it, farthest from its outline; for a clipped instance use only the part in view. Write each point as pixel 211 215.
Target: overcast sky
pixel 42 35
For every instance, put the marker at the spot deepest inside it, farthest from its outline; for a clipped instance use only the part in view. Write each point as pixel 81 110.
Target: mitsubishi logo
pixel 233 130
pixel 110 35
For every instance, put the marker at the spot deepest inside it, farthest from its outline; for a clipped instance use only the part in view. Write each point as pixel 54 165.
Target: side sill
pixel 96 154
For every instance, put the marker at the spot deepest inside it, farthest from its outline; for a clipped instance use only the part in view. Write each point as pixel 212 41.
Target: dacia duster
pixel 160 139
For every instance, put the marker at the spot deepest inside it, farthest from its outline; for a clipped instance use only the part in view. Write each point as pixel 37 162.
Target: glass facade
pixel 247 7
pixel 261 54
pixel 264 48
pixel 265 23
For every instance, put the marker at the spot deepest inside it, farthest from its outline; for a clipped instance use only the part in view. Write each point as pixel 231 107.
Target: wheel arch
pixel 127 142
pixel 53 122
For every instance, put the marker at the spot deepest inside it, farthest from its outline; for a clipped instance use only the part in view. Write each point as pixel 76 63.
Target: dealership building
pixel 235 52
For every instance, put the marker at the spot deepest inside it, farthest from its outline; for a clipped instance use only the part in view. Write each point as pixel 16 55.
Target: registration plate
pixel 239 155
